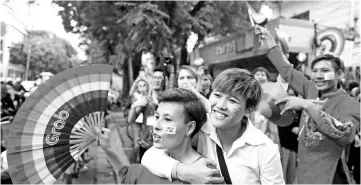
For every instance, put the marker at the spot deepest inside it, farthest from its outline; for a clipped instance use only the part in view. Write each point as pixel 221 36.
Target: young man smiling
pixel 243 153
pixel 329 120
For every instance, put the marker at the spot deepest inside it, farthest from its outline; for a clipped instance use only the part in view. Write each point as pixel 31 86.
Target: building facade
pixel 243 50
pixel 12 30
pixel 344 15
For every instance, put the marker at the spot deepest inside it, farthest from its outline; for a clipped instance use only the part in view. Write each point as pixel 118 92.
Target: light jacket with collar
pixel 252 159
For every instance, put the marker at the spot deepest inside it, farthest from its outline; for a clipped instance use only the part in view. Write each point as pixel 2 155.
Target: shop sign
pixel 226 48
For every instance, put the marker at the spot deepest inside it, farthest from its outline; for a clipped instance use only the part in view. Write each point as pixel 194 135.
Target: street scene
pixel 173 92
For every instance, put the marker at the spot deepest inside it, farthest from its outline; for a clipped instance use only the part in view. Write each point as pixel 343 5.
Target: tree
pixel 151 25
pixel 116 32
pixel 47 53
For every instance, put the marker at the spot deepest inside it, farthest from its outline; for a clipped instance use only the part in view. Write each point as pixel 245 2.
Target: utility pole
pixel 28 63
pixel 30 28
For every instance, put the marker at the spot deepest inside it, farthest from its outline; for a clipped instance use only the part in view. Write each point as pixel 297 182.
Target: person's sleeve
pixel 341 129
pixel 270 165
pixel 293 77
pixel 159 163
pixel 4 160
pixel 23 88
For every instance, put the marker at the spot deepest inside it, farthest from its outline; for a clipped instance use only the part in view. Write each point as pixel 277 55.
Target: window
pixel 2 29
pixel 11 73
pixel 1 50
pixel 304 16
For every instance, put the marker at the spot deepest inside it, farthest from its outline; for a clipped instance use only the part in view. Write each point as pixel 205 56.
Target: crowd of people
pixel 239 127
pixel 12 96
pixel 243 128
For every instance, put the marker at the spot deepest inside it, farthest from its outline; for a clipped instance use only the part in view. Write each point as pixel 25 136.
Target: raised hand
pixel 292 103
pixel 142 101
pixel 265 35
pixel 103 139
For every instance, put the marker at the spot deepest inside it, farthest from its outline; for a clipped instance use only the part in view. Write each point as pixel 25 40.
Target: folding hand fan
pixel 56 123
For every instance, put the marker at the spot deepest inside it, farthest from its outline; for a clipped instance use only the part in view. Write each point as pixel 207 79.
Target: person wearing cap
pixel 330 117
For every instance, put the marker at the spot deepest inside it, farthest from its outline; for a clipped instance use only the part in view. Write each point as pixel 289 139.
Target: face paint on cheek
pixel 170 130
pixel 236 111
pixel 329 76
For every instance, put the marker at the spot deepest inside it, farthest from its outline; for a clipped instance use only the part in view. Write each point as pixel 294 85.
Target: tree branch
pixel 197 7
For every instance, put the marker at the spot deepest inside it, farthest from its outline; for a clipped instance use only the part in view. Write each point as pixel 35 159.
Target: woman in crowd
pixel 330 117
pixel 206 85
pixel 139 88
pixel 180 115
pixel 187 78
pixel 138 117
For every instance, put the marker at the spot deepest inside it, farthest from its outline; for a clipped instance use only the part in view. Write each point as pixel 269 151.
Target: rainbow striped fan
pixel 56 124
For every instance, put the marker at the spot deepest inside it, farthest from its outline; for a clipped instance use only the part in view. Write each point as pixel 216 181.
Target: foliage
pixel 47 53
pixel 111 27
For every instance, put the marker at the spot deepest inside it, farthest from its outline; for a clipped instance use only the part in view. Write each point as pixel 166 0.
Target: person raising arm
pixel 330 116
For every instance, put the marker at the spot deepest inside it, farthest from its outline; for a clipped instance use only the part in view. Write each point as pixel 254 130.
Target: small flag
pixel 170 130
pixel 329 76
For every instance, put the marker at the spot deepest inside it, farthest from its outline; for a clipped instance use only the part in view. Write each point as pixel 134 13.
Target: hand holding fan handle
pixel 103 138
pixel 117 159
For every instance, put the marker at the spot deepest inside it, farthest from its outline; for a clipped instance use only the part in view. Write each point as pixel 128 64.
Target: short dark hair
pixel 352 85
pixel 262 69
pixel 193 108
pixel 237 82
pixel 337 63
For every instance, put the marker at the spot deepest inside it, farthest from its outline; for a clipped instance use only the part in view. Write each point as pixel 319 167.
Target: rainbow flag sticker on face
pixel 169 130
pixel 329 76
